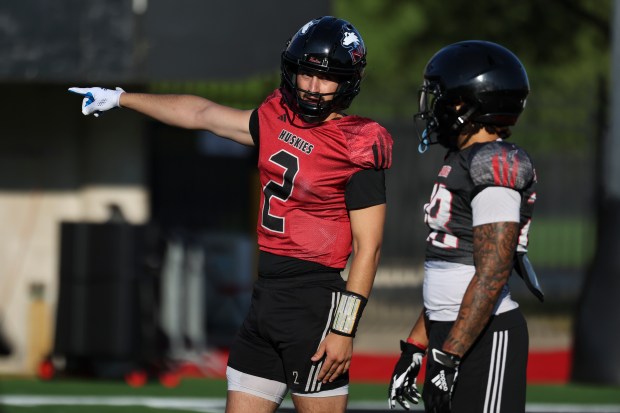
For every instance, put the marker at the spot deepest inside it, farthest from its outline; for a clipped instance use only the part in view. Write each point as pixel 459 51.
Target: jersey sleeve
pixel 370 144
pixel 255 118
pixel 501 164
pixel 495 204
pixel 366 188
pixel 254 127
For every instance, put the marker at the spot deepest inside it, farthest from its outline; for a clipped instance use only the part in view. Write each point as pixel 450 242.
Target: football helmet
pixel 330 47
pixel 469 81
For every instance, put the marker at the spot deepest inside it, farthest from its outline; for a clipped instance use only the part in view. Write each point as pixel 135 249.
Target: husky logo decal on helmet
pixel 350 38
pixel 356 47
pixel 327 46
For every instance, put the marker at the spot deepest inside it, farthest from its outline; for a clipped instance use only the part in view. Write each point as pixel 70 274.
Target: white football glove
pixel 98 99
pixel 403 388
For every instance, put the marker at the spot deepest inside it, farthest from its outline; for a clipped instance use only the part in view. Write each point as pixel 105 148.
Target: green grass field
pixel 562 242
pixel 214 388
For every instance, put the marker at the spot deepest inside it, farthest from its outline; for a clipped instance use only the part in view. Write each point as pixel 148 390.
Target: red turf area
pixel 548 367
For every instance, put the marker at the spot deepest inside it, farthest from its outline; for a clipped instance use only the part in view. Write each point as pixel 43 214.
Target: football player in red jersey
pixel 323 197
pixel 471 331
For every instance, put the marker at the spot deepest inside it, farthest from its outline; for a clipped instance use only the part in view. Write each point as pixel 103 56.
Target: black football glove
pixel 441 377
pixel 403 384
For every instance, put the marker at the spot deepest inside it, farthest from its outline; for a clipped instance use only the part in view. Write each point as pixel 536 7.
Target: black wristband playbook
pixel 348 313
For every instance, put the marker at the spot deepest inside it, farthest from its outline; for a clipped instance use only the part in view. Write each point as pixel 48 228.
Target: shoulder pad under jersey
pixel 501 163
pixel 370 144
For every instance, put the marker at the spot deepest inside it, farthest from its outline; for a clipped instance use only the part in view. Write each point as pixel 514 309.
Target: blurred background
pixel 126 243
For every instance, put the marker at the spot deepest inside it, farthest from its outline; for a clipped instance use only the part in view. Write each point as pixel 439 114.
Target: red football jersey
pixel 304 170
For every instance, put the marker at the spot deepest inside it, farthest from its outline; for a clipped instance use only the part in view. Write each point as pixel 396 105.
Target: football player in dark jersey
pixel 471 330
pixel 323 197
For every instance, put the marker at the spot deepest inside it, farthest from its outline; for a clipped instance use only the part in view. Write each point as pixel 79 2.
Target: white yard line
pixel 217 405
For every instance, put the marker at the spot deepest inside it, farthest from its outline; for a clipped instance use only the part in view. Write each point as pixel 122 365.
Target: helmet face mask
pixel 469 82
pixel 313 105
pixel 327 47
pixel 438 116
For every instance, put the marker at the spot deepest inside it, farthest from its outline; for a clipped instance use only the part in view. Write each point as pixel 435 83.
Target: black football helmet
pixel 486 81
pixel 328 46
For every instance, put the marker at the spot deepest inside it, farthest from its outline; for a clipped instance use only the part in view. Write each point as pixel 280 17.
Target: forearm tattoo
pixel 494 249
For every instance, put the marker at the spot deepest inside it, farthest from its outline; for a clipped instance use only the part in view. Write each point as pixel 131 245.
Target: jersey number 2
pixel 283 191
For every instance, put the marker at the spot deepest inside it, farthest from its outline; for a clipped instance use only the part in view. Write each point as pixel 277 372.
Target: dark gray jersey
pixel 463 175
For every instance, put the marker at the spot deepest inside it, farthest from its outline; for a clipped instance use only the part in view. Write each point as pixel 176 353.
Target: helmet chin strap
pixel 311 118
pixel 461 121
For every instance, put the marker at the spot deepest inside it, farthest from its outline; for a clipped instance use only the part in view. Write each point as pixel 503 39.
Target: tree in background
pixel 563 43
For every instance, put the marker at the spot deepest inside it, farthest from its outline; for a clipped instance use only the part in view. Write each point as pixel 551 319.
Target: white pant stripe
pixel 503 371
pixel 495 384
pixel 311 382
pixel 495 373
pixel 490 380
pixel 314 383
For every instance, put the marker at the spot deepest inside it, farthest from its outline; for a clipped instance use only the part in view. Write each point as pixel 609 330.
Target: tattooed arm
pixel 494 248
